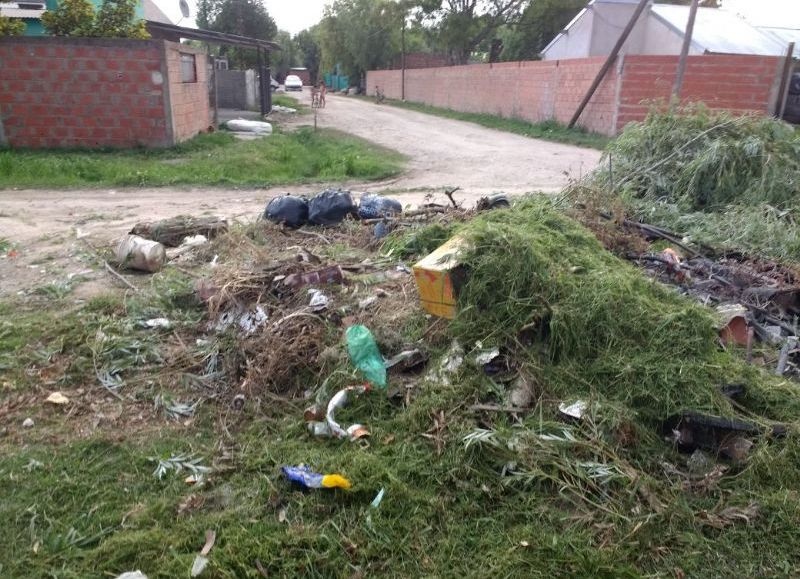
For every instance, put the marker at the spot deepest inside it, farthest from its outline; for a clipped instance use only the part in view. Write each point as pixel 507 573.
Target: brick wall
pixel 739 83
pixel 188 101
pixel 90 92
pixel 531 90
pixel 421 60
pixel 540 90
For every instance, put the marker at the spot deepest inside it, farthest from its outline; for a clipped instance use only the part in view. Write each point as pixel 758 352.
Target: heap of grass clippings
pixel 592 322
pixel 705 160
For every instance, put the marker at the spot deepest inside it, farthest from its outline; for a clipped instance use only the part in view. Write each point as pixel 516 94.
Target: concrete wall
pixel 94 92
pixel 237 89
pixel 541 90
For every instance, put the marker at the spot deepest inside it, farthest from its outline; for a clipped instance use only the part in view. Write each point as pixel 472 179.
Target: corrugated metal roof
pixel 717 30
pixel 784 36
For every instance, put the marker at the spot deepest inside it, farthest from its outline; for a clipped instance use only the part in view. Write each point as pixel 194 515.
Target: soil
pixel 52 229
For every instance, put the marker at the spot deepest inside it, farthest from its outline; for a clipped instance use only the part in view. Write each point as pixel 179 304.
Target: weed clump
pixel 705 160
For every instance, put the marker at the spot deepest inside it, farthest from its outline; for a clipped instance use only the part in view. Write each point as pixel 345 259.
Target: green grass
pixel 497 500
pixel 285 100
pixel 216 159
pixel 546 130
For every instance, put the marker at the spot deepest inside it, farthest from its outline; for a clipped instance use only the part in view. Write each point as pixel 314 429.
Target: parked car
pixel 792 111
pixel 274 84
pixel 293 82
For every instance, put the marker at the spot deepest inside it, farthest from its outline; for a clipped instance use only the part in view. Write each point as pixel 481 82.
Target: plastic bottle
pixel 365 355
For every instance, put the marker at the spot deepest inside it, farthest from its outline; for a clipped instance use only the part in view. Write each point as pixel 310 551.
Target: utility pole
pixel 609 61
pixel 687 41
pixel 403 59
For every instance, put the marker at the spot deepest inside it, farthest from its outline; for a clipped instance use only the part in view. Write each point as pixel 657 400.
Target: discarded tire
pixel 291 210
pixel 330 207
pixel 374 206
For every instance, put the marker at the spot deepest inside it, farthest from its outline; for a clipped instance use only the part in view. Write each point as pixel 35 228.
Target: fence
pixel 542 90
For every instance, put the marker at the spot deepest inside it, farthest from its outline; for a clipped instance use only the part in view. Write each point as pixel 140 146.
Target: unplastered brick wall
pixel 742 84
pixel 542 90
pixel 531 90
pixel 90 92
pixel 188 100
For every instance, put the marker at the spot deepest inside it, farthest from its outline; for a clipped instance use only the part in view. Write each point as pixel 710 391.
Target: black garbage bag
pixel 374 206
pixel 291 210
pixel 330 207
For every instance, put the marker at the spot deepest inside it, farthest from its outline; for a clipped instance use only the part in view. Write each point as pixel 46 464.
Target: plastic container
pixel 135 252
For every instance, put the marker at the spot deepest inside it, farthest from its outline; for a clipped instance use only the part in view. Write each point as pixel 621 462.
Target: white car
pixel 293 82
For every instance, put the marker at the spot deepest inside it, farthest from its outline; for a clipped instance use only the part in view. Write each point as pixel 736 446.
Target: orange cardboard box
pixel 438 277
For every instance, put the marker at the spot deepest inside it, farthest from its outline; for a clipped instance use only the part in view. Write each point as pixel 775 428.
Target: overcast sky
pixel 296 15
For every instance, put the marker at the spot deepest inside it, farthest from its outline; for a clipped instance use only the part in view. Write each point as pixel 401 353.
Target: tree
pixel 309 50
pixel 360 35
pixel 242 17
pixel 11 26
pixel 540 22
pixel 117 19
pixel 461 26
pixel 287 57
pixel 70 18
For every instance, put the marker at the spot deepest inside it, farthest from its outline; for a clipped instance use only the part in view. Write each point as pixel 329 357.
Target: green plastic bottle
pixel 365 355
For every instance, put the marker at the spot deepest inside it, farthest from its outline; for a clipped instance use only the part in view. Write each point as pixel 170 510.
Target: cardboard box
pixel 438 276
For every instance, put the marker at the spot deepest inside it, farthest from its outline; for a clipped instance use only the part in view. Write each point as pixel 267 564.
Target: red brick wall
pixel 531 90
pixel 92 92
pixel 540 90
pixel 188 100
pixel 739 83
pixel 305 76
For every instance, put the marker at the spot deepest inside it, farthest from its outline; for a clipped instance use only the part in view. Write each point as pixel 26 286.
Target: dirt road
pixel 449 153
pixel 44 225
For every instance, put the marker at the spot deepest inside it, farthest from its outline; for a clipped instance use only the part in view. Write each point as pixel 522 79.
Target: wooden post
pixel 403 60
pixel 786 75
pixel 687 41
pixel 609 61
pixel 268 80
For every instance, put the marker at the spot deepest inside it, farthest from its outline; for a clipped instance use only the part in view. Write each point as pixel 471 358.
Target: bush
pixel 11 26
pixel 70 18
pixel 115 19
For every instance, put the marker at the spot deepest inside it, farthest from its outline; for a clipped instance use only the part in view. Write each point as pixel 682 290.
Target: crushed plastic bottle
pixel 332 428
pixel 365 355
pixel 306 478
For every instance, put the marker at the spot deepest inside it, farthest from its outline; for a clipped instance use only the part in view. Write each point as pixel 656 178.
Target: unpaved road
pixel 44 224
pixel 447 153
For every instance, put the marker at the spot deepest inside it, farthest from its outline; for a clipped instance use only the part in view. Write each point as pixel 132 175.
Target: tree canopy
pixel 242 17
